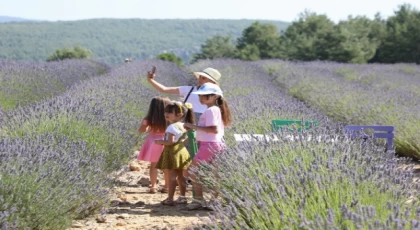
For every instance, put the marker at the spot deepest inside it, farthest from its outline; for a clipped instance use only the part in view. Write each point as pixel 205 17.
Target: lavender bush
pixel 317 184
pixel 328 182
pixel 46 181
pixel 60 151
pixel 371 95
pixel 22 83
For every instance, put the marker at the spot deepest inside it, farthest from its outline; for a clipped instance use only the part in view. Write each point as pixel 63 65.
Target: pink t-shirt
pixel 211 117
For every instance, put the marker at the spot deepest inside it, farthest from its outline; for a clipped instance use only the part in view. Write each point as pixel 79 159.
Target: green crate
pixel 292 125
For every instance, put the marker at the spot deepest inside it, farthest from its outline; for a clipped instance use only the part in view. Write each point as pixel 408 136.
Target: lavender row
pixel 22 83
pixel 401 78
pixel 62 150
pixel 393 99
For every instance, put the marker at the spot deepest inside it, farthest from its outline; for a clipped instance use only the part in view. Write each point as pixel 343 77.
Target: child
pixel 175 157
pixel 210 132
pixel 154 123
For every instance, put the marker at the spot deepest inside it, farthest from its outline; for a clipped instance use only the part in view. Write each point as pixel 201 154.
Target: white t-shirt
pixel 193 98
pixel 211 117
pixel 172 128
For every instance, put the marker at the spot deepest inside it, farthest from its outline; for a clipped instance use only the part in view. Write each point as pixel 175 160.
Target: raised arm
pixel 159 87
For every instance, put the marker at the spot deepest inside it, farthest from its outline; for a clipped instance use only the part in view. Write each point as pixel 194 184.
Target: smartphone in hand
pixel 151 74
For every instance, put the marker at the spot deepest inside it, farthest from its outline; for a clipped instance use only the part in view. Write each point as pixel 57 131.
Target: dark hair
pixel 224 108
pixel 178 107
pixel 156 114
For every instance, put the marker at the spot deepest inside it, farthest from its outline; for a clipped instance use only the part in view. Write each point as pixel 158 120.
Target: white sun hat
pixel 209 88
pixel 209 73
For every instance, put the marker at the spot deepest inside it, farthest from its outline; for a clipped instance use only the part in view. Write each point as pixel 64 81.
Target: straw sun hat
pixel 209 73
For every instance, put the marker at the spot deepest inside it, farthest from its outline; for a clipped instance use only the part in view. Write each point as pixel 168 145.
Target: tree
pixel 305 38
pixel 263 39
pixel 402 40
pixel 171 57
pixel 249 53
pixel 356 39
pixel 76 52
pixel 216 47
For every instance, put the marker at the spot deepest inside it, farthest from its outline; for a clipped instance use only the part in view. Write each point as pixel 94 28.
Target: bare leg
pixel 215 191
pixel 197 187
pixel 181 181
pixel 185 174
pixel 172 184
pixel 153 175
pixel 166 176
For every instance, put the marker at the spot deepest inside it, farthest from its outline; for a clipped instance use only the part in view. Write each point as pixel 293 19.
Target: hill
pixel 113 40
pixel 12 19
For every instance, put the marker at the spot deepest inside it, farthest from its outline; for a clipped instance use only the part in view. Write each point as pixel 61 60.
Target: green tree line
pixel 316 37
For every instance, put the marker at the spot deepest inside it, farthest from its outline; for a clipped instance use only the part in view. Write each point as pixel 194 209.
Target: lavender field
pixel 22 83
pixel 58 154
pixel 359 94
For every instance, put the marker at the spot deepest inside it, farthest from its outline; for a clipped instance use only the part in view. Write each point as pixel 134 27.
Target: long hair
pixel 156 114
pixel 178 107
pixel 225 110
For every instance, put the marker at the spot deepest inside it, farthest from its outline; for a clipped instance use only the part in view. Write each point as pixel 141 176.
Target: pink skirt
pixel 149 150
pixel 208 150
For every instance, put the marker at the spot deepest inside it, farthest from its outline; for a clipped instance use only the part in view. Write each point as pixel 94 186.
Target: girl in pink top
pixel 210 131
pixel 155 124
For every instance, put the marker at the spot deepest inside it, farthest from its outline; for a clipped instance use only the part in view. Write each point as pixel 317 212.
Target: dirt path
pixel 135 208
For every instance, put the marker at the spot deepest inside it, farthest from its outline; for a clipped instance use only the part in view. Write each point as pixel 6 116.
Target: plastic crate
pixel 292 125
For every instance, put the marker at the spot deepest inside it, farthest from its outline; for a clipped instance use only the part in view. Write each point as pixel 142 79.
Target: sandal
pixel 168 202
pixel 163 190
pixel 181 200
pixel 152 190
pixel 196 204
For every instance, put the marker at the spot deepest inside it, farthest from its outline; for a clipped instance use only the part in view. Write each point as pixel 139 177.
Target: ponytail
pixel 224 109
pixel 189 113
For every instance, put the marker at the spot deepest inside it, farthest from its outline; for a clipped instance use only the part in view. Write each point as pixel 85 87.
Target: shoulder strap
pixel 188 95
pixel 184 134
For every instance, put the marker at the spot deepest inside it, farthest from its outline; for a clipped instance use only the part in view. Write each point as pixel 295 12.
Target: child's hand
pixel 158 142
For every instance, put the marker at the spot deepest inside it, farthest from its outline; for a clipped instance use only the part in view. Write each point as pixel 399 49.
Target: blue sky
pixel 191 9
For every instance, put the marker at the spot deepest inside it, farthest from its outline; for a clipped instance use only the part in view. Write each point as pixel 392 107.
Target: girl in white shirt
pixel 175 158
